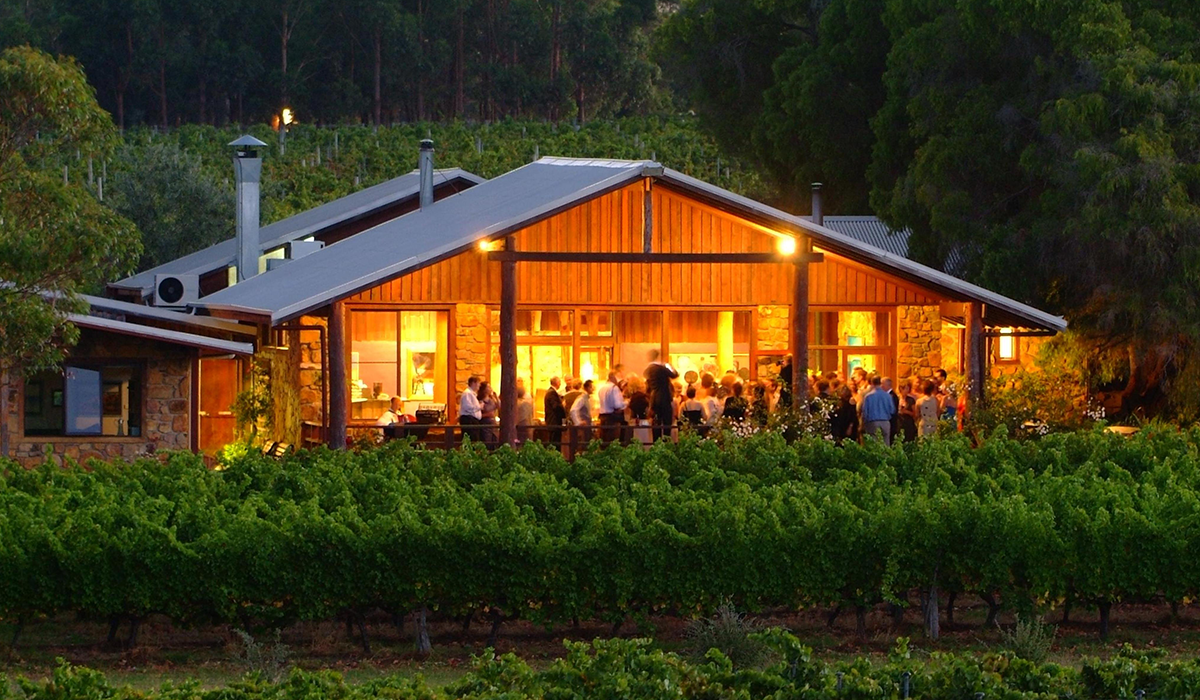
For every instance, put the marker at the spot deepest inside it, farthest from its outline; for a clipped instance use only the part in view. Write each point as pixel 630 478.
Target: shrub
pixel 1029 639
pixel 731 633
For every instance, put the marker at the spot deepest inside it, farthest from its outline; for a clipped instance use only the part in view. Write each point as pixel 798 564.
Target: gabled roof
pixel 306 223
pixel 137 330
pixel 525 196
pixel 447 227
pixel 1001 310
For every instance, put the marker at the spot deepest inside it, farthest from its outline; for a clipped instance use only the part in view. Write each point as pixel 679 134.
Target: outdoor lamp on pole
pixel 285 119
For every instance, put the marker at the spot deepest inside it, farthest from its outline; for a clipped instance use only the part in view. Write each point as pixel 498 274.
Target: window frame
pixel 139 368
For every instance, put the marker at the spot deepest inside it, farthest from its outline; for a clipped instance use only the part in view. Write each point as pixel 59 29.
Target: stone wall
pixel 773 335
pixel 310 379
pixel 471 326
pixel 166 416
pixel 919 347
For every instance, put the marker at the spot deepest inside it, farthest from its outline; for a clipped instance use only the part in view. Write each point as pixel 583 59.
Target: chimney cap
pixel 246 141
pixel 426 144
pixel 816 185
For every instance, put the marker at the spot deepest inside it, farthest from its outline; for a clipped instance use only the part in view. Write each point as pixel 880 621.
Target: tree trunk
pixel 420 60
pixel 378 41
pixel 1105 609
pixel 860 621
pixel 932 610
pixel 423 646
pixel 833 616
pixel 1143 394
pixel 6 389
pixel 555 52
pixel 993 608
pixel 285 34
pixel 162 93
pixel 459 66
pixel 950 608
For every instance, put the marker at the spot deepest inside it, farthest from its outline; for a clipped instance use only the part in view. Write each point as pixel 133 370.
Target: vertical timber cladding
pixel 613 223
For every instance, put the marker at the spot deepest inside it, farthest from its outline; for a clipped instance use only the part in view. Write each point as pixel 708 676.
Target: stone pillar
pixel 919 347
pixel 471 329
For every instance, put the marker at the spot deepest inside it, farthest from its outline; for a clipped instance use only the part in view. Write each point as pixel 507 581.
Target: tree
pixel 56 240
pixel 175 205
pixel 1058 139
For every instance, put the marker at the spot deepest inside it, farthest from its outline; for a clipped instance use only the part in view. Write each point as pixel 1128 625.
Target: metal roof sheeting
pixel 870 230
pixel 447 227
pixel 125 308
pixel 306 223
pixel 527 195
pixel 1011 312
pixel 159 334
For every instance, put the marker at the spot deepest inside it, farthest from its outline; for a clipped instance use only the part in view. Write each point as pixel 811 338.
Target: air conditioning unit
pixel 176 290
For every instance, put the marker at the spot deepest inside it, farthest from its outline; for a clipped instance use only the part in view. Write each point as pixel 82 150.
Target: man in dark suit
pixel 659 387
pixel 556 413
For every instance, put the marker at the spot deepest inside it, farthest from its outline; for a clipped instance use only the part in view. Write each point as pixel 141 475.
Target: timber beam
pixel 649 258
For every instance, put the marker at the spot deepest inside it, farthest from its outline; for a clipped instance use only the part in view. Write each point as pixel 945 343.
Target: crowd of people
pixel 646 406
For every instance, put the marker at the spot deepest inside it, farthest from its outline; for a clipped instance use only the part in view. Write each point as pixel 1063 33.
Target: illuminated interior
pixel 397 354
pixel 1006 345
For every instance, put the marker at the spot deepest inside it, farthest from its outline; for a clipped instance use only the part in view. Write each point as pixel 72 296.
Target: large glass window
pixel 97 401
pixel 710 342
pixel 397 353
pixel 842 341
pixel 638 332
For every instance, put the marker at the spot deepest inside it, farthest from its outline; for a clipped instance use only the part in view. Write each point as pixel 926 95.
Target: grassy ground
pixel 210 655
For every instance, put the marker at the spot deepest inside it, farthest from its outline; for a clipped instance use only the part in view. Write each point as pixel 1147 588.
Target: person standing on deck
pixel 659 376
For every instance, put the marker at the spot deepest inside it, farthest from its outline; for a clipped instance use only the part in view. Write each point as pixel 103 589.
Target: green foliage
pixel 1029 639
pixel 634 669
pixel 177 206
pixel 378 61
pixel 178 187
pixel 1045 150
pixel 254 406
pixel 731 633
pixel 56 240
pixel 618 533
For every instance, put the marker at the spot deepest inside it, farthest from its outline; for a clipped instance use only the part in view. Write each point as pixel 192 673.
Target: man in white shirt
pixel 469 412
pixel 524 412
pixel 612 404
pixel 581 413
pixel 390 416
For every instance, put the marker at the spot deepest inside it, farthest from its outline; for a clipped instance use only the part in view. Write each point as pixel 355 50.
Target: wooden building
pixel 570 266
pixel 564 267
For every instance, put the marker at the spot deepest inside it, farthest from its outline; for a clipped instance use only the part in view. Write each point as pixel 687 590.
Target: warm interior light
pixel 287 116
pixel 786 245
pixel 485 245
pixel 1007 349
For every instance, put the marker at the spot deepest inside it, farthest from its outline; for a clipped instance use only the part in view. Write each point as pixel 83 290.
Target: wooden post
pixel 339 390
pixel 508 348
pixel 647 219
pixel 800 326
pixel 975 354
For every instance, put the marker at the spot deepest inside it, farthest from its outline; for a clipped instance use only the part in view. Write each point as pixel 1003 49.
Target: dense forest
pixel 1054 139
pixel 167 62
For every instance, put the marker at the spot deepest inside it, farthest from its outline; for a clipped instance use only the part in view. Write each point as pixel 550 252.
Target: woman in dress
pixel 489 409
pixel 927 409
